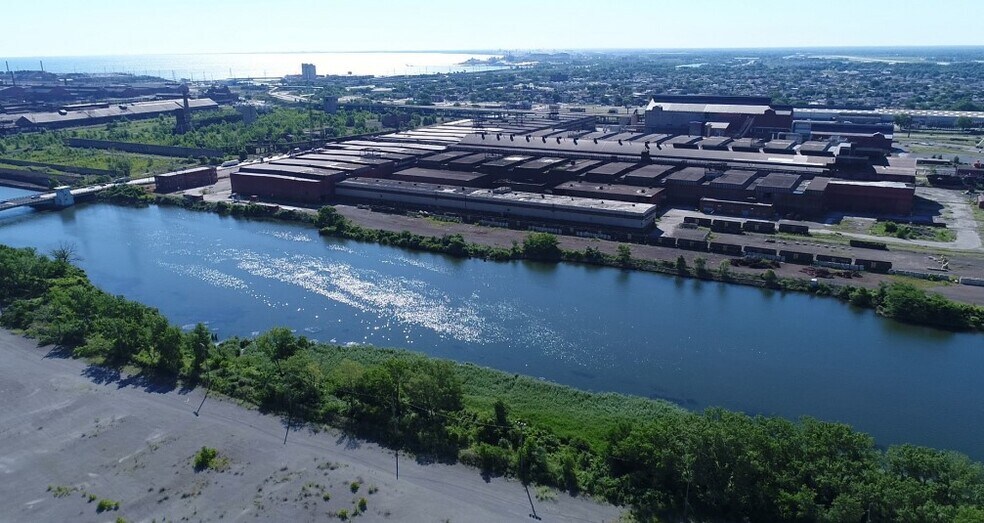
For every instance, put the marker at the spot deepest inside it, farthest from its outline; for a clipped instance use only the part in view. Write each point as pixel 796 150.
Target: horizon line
pixel 501 51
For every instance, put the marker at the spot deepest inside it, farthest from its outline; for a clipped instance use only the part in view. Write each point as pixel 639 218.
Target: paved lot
pixel 83 431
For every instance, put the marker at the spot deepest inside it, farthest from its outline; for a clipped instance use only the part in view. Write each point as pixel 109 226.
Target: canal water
pixel 698 344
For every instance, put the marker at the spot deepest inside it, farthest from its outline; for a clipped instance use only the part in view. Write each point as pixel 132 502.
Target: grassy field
pixel 947 144
pixel 98 159
pixel 912 232
pixel 569 412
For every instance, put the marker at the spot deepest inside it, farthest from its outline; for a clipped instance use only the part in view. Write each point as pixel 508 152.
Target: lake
pixel 695 343
pixel 217 66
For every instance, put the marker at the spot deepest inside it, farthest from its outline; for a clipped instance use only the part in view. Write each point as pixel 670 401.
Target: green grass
pixel 912 232
pixel 919 283
pixel 96 159
pixel 569 412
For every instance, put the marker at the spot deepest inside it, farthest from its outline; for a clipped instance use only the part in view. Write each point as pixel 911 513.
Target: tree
pixel 700 266
pixel 771 280
pixel 904 121
pixel 66 252
pixel 681 265
pixel 167 341
pixel 329 218
pixel 624 256
pixel 120 166
pixel 964 122
pixel 541 246
pixel 724 269
pixel 198 343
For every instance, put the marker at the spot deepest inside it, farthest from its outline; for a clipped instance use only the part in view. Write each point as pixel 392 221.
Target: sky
pixel 125 27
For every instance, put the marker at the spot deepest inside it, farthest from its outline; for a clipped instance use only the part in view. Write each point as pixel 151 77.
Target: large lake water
pixel 216 66
pixel 695 343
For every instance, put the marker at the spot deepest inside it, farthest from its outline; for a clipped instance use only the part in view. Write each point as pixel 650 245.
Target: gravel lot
pixel 70 432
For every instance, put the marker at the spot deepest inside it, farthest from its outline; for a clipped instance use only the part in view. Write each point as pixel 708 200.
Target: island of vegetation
pixel 662 461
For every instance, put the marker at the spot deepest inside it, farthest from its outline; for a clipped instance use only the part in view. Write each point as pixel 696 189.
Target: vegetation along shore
pixel 659 459
pixel 900 301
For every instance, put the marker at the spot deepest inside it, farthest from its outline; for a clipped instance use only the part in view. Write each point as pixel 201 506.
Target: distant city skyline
pixel 111 27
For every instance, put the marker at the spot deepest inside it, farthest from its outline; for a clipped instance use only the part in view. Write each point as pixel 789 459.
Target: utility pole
pixel 290 407
pixel 522 440
pixel 396 418
pixel 208 387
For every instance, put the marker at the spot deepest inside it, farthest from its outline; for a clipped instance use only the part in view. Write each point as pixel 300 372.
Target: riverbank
pixel 73 430
pixel 867 290
pixel 712 465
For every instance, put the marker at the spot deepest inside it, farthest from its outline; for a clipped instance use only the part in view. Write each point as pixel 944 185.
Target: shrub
pixel 205 458
pixel 541 246
pixel 107 504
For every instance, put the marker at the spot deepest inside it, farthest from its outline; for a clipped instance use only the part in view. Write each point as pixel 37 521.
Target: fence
pixel 144 148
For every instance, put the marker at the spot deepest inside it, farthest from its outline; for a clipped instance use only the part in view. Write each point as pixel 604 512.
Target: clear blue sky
pixel 98 27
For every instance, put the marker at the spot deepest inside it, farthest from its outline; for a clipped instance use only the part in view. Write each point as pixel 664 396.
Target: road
pixel 84 430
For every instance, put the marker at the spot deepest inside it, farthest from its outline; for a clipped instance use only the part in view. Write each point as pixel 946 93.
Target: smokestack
pixel 13 80
pixel 42 65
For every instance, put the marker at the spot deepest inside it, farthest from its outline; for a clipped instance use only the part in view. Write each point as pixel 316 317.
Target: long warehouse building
pixel 499 203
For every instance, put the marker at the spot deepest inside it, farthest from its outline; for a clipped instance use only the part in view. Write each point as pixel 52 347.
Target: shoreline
pixel 68 394
pixel 614 446
pixel 853 288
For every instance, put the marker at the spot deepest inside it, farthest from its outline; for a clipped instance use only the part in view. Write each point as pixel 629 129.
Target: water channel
pixel 694 343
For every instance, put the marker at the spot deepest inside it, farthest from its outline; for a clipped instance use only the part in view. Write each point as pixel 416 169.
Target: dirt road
pixel 69 431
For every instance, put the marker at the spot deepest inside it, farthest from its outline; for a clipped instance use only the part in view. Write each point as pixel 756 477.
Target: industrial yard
pixel 751 195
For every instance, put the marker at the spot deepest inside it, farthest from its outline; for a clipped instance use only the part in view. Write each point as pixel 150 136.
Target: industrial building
pixel 104 113
pixel 730 116
pixel 525 168
pixel 186 179
pixel 501 203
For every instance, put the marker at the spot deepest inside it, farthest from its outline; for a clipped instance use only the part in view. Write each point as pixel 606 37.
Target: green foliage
pixel 205 458
pixel 624 256
pixel 681 266
pixel 106 505
pixel 541 246
pixel 126 195
pixel 662 461
pixel 208 458
pixel 700 267
pixel 909 304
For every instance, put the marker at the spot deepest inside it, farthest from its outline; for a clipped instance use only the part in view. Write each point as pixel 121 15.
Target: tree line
pixel 664 462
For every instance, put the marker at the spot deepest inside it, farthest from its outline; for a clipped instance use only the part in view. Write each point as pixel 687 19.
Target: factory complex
pixel 562 172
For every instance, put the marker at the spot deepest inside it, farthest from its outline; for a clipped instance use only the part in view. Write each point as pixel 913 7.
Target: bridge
pixel 60 198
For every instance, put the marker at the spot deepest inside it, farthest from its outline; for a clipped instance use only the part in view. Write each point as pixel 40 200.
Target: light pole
pixel 522 474
pixel 208 380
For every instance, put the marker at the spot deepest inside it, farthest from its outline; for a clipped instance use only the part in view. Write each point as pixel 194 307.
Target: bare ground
pixel 70 432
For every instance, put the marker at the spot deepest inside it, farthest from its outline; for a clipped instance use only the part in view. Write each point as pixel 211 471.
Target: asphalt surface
pixel 70 432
